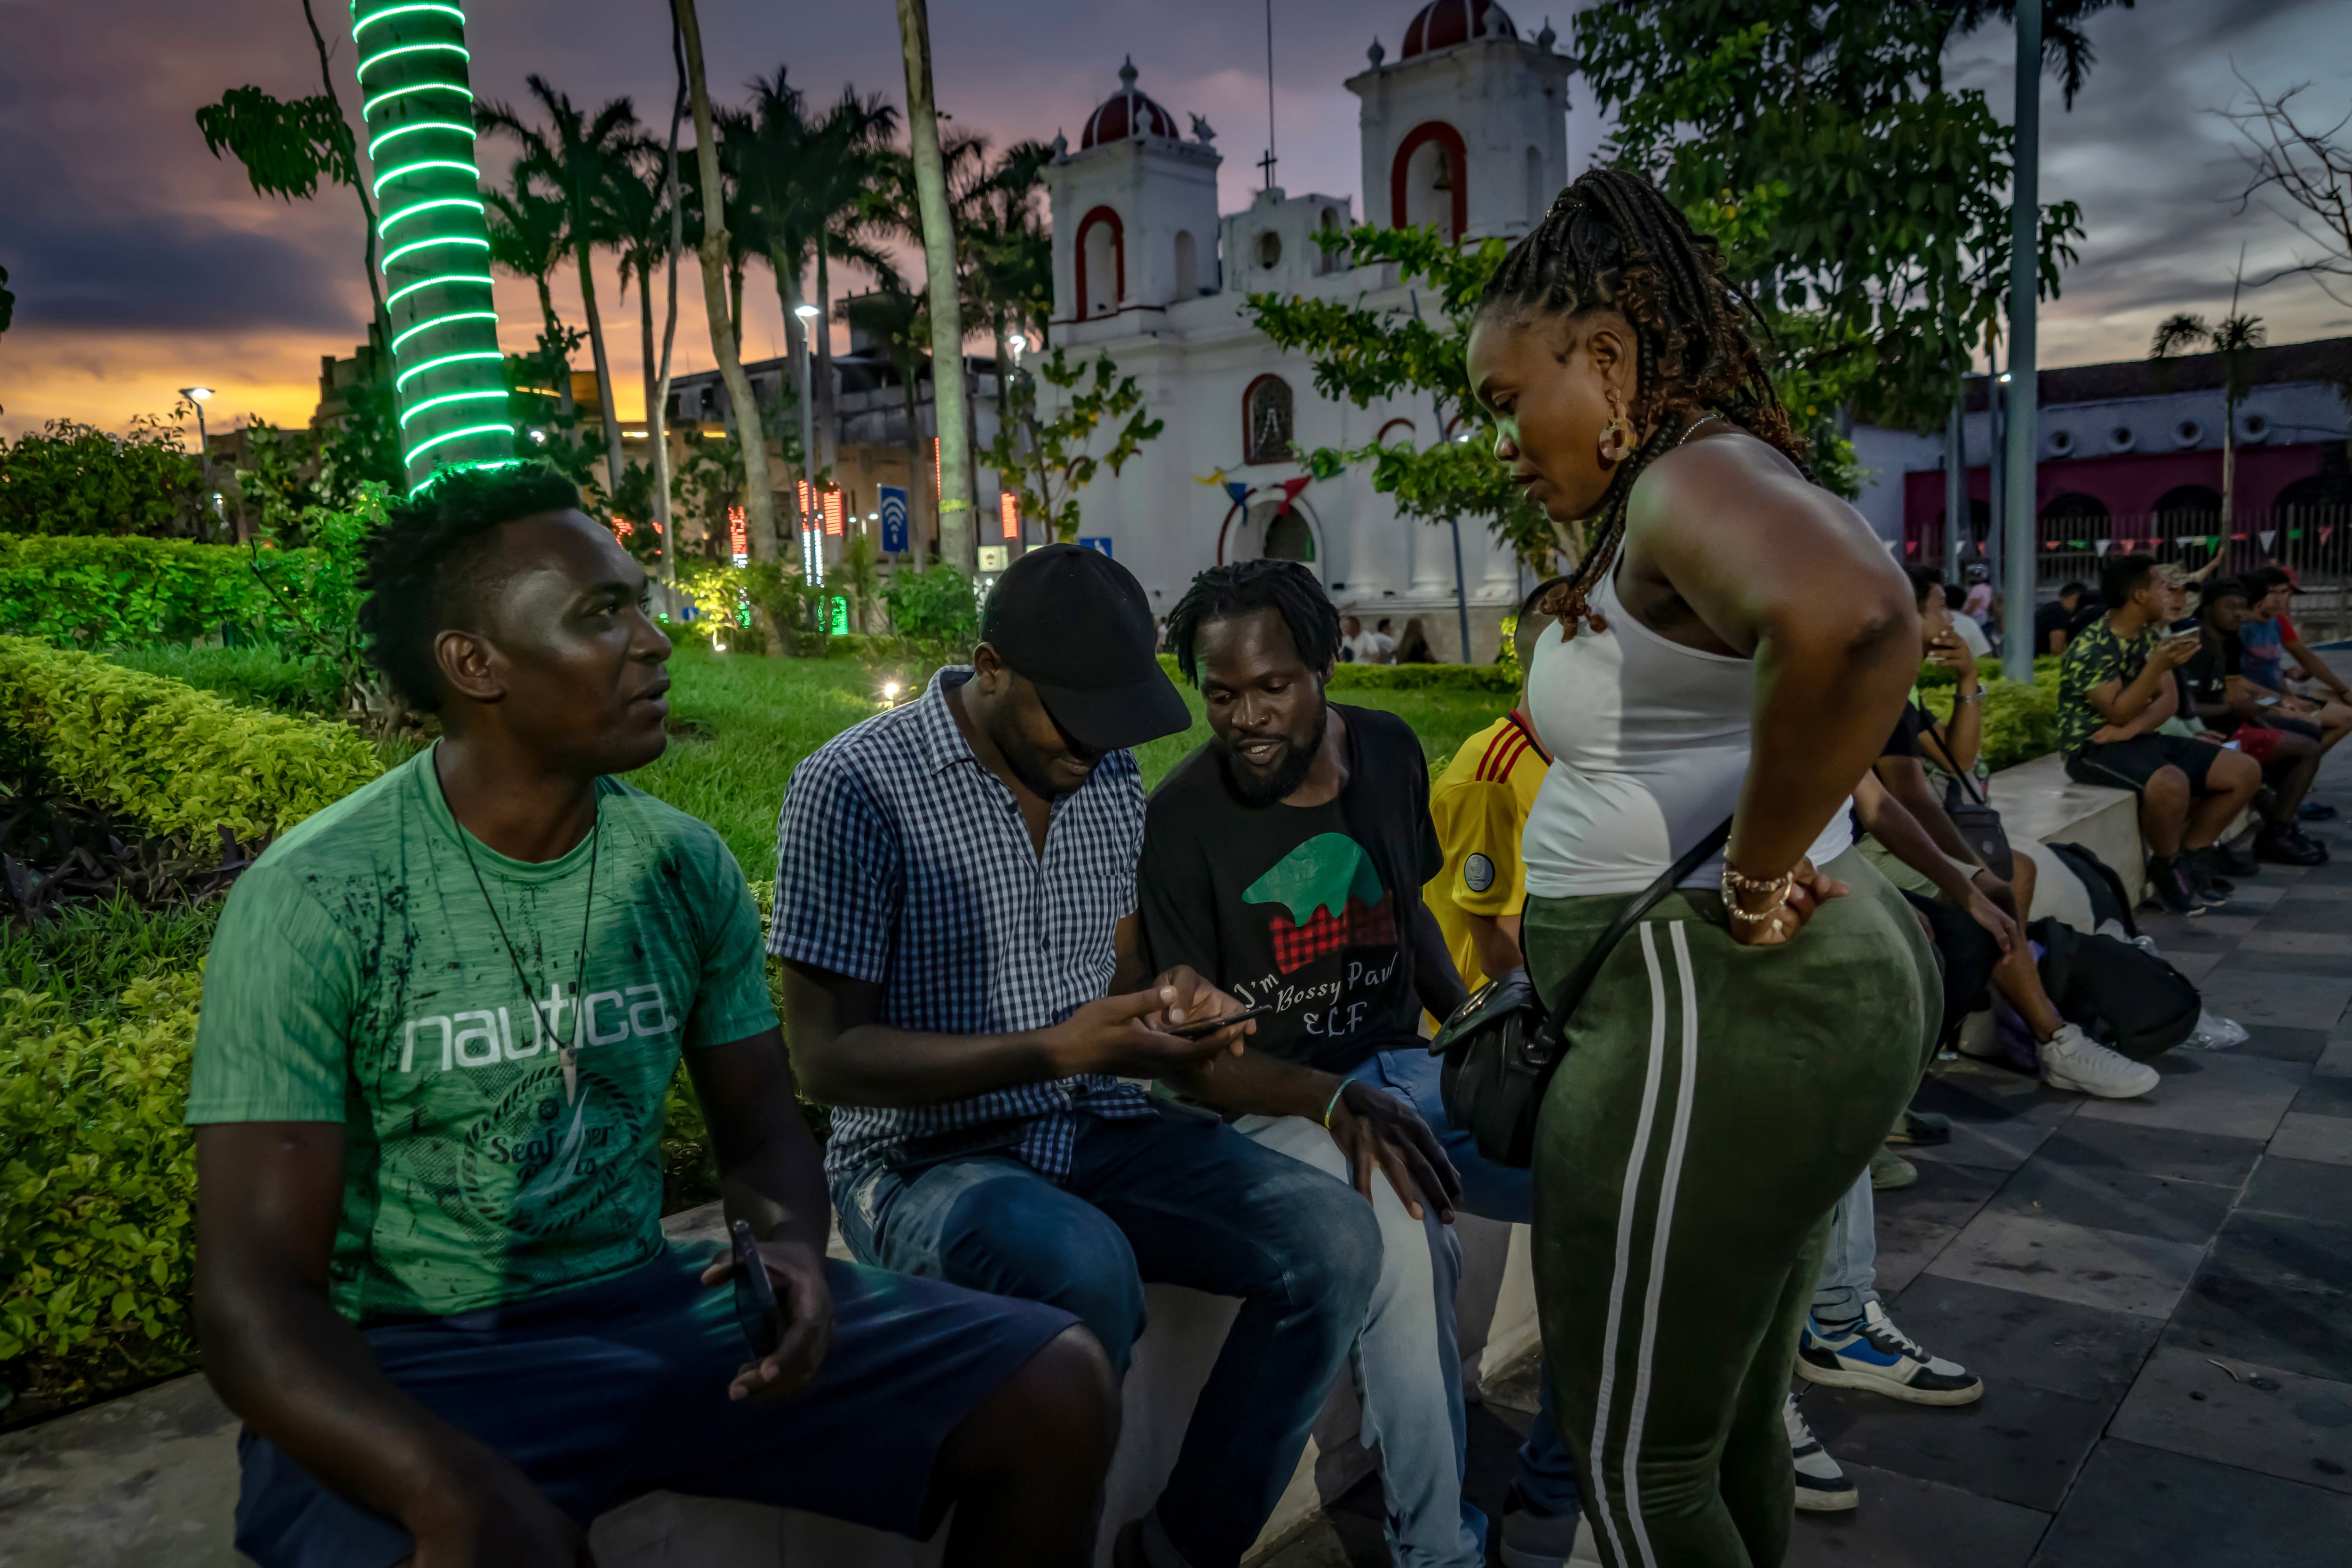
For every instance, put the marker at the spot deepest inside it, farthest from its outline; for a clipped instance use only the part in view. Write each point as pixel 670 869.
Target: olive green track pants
pixel 1716 1102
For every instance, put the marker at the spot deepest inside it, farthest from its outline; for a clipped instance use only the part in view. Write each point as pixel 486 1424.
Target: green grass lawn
pixel 748 720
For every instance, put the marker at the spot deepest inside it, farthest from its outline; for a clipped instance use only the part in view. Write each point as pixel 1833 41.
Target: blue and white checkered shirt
pixel 902 860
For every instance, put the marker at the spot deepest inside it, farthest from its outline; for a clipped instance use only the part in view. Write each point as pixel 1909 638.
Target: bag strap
pixel 1548 1038
pixel 1967 776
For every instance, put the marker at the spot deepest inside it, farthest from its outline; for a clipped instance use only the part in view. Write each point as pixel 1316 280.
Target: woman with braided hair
pixel 1734 643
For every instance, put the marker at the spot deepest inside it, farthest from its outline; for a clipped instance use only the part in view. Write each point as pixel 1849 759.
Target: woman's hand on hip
pixel 1808 888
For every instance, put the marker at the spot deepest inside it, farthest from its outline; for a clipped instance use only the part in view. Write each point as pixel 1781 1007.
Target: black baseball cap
pixel 1075 624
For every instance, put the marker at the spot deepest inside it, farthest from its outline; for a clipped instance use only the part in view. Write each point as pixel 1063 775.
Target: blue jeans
pixel 1547 1478
pixel 1181 1199
pixel 1849 1276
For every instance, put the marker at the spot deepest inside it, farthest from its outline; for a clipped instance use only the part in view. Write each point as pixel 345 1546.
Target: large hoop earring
pixel 1616 440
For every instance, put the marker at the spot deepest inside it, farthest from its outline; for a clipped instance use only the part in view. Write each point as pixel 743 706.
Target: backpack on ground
pixel 2101 883
pixel 2119 992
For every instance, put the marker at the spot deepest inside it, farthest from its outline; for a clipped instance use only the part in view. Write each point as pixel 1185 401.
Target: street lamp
pixel 1018 342
pixel 197 396
pixel 811 552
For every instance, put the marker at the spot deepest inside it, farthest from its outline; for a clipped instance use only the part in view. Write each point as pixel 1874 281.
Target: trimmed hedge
pixel 2020 723
pixel 175 759
pixel 127 592
pixel 96 1194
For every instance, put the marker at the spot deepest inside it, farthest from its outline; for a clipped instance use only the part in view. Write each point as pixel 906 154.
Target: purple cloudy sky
pixel 142 264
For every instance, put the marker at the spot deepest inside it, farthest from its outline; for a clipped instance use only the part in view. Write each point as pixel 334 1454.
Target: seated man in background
pixel 1284 859
pixel 439 1021
pixel 2055 622
pixel 2230 709
pixel 955 896
pixel 2115 689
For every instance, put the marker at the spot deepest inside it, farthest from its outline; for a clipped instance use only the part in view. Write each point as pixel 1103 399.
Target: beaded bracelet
pixel 1976 696
pixel 1780 884
pixel 1334 1105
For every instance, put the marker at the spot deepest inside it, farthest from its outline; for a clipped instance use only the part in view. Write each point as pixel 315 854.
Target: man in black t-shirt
pixel 1285 861
pixel 2055 623
pixel 2234 710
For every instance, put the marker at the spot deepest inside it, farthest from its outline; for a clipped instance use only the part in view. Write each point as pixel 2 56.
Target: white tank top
pixel 1649 744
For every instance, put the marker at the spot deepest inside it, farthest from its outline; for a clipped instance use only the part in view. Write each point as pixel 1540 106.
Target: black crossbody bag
pixel 1974 815
pixel 1501 1047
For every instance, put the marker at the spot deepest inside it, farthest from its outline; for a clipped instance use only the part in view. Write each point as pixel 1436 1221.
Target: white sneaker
pixel 2072 1059
pixel 1822 1485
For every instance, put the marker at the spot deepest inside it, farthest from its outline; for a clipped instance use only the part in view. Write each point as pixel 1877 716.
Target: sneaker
pixel 2203 869
pixel 2170 888
pixel 1822 1485
pixel 1532 1539
pixel 2317 811
pixel 1871 1352
pixel 2236 858
pixel 2072 1059
pixel 2285 844
pixel 1890 1172
pixel 1921 1130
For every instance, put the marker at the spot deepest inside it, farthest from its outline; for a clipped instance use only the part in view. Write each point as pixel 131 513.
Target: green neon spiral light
pixel 450 376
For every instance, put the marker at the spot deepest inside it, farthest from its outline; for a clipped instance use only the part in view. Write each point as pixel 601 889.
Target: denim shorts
pixel 609 1390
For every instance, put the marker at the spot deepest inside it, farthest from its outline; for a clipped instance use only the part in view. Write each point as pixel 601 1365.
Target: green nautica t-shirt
pixel 358 977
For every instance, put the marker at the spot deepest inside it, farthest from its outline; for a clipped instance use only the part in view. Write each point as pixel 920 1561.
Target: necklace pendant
pixel 570 1057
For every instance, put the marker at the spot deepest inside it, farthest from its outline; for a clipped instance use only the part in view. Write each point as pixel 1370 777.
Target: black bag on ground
pixel 2101 885
pixel 2119 992
pixel 1974 816
pixel 1501 1048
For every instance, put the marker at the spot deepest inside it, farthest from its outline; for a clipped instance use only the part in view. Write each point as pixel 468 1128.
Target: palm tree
pixel 2234 337
pixel 848 154
pixel 645 225
pixel 1007 268
pixel 528 239
pixel 758 494
pixel 580 158
pixel 940 262
pixel 900 319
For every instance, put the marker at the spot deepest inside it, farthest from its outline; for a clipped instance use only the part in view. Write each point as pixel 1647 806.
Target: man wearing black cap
pixel 955 907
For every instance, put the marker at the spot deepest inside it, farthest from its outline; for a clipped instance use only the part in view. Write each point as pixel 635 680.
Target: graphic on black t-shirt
pixel 1331 898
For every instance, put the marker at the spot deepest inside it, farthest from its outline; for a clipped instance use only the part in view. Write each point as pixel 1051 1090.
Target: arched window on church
pixel 1101 263
pixel 1188 265
pixel 1266 421
pixel 1428 182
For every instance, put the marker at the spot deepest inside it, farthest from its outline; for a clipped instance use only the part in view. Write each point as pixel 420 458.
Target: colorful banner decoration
pixel 1290 488
pixel 449 374
pixel 1910 546
pixel 2265 535
pixel 2104 545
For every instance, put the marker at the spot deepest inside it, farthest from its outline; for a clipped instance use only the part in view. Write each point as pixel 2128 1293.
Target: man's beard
pixel 1256 789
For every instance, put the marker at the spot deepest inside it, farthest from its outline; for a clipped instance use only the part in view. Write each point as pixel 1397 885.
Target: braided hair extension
pixel 1244 588
pixel 1612 240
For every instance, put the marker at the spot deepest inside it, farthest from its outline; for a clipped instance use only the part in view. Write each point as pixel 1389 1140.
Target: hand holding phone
pixel 1202 1029
pixel 757 1310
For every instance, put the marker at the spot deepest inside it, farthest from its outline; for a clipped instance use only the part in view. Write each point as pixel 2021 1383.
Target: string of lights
pixel 450 379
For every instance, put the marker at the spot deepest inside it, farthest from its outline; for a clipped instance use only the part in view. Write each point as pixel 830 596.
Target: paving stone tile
pixel 2281 1044
pixel 2301 1189
pixel 2154 1152
pixel 2304 1136
pixel 2106 1268
pixel 2263 995
pixel 147 1479
pixel 2336 1061
pixel 2109 1199
pixel 2315 890
pixel 2226 922
pixel 1916 1223
pixel 2303 943
pixel 1987 1145
pixel 2261 1418
pixel 2194 966
pixel 2322 964
pixel 2329 1096
pixel 2258 893
pixel 2305 912
pixel 2275 1291
pixel 2020 1446
pixel 2210 1092
pixel 2010 1339
pixel 1907 1522
pixel 1972 1090
pixel 2137 1506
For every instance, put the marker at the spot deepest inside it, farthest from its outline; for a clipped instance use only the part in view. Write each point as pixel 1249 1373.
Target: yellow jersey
pixel 1479 803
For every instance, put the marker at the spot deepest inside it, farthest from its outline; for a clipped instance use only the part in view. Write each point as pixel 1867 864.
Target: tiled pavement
pixel 2157 1292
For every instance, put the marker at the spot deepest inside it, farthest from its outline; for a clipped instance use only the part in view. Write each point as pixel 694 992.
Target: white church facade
pixel 1467 127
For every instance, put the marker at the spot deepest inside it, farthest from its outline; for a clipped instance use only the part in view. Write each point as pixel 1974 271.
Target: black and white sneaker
pixel 2287 844
pixel 1822 1485
pixel 1872 1353
pixel 2203 869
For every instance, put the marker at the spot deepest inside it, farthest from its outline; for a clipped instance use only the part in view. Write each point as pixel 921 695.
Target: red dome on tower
pixel 1442 24
pixel 1126 114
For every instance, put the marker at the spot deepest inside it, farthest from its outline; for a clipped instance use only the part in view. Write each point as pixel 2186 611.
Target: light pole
pixel 2022 511
pixel 1019 343
pixel 812 547
pixel 197 396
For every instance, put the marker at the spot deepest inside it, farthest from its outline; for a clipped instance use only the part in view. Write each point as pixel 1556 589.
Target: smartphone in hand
pixel 757 1310
pixel 1200 1028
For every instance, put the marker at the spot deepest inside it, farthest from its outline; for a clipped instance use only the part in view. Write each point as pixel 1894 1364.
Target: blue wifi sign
pixel 894 520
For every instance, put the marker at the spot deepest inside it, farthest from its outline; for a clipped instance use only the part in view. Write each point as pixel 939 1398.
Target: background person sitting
pixel 2115 689
pixel 1414 647
pixel 2216 695
pixel 2055 622
pixel 440 1018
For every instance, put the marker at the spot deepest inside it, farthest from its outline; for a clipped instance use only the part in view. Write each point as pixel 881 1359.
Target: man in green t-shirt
pixel 2115 689
pixel 440 1018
